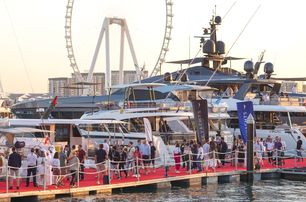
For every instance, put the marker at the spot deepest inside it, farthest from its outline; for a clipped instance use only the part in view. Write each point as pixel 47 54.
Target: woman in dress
pixel 137 161
pixel 57 178
pixel 177 157
pixel 41 162
pixel 73 162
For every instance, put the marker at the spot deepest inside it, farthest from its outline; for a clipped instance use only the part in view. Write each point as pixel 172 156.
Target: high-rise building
pixel 114 78
pixel 63 86
pixel 97 85
pixel 58 86
pixel 129 76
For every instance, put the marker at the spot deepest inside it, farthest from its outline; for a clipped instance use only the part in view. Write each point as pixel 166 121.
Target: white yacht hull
pixel 288 136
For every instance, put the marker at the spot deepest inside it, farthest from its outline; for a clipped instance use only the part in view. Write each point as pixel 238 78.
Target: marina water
pixel 267 190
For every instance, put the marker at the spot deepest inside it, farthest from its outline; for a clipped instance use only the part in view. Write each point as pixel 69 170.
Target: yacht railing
pixel 162 105
pixel 174 106
pixel 284 101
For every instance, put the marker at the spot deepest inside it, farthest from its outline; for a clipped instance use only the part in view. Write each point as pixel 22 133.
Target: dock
pixel 156 180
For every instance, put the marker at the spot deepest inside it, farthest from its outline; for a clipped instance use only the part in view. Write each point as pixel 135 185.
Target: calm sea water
pixel 270 190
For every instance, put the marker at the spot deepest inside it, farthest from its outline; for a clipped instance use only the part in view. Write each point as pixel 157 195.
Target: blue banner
pixel 244 109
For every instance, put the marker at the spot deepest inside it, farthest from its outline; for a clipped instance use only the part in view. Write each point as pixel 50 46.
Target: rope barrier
pixel 208 160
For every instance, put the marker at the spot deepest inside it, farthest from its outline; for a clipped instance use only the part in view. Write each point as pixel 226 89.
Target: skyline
pixel 33 40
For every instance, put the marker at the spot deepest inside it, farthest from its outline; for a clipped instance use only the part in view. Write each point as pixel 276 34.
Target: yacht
pixel 274 114
pixel 174 114
pixel 51 134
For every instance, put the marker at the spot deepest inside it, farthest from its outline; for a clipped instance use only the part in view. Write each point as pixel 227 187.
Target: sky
pixel 33 46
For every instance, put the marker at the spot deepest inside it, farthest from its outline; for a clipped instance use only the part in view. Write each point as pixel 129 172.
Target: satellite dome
pixel 269 68
pixel 209 47
pixel 249 66
pixel 218 20
pixel 220 47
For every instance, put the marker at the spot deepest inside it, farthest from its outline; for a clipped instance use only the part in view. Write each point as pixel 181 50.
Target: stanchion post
pixel 166 167
pixel 7 178
pixel 276 158
pixel 78 173
pixel 190 163
pixel 137 168
pixel 245 158
pixel 109 171
pixel 214 160
pixel 236 160
pixel 45 176
pixel 295 158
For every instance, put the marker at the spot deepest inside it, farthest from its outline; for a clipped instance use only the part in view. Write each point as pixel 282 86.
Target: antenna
pixel 233 44
pixel 258 63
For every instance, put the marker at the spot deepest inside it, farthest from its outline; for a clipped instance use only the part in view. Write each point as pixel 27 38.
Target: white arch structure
pixel 105 30
pixel 124 31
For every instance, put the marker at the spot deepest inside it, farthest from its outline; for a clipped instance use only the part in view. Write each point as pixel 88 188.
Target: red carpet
pixel 90 179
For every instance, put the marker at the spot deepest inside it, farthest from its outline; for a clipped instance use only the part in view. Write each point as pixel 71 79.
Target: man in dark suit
pixel 14 163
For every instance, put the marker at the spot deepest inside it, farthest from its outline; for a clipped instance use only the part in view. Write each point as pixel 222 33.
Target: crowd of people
pixel 127 159
pixel 193 155
pixel 47 168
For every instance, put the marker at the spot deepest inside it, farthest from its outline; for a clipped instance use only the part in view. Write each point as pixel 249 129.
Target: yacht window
pixel 25 135
pixel 62 133
pixel 75 132
pixel 177 126
pixel 132 127
pixel 107 127
pixel 137 124
pixel 188 122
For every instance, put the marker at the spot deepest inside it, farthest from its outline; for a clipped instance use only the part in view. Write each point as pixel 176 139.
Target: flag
pixel 200 112
pixel 50 108
pixel 244 109
pixel 54 101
